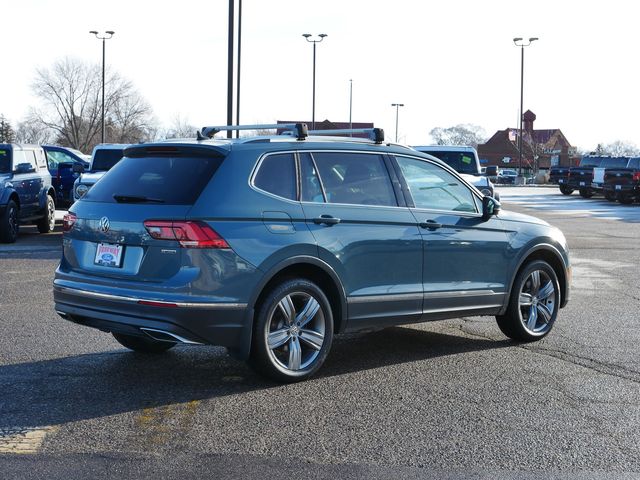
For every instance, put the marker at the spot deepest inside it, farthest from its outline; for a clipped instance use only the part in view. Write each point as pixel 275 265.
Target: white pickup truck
pixel 463 160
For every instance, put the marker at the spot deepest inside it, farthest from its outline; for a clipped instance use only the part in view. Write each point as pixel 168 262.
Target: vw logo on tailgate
pixel 104 224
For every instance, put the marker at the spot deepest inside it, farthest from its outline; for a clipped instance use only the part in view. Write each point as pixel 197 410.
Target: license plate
pixel 618 187
pixel 108 255
pixel 561 180
pixel 582 184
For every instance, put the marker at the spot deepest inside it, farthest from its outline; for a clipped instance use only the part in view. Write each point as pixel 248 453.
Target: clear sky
pixel 450 62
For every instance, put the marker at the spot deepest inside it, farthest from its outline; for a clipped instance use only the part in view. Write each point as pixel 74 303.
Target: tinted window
pixel 463 162
pixel 634 163
pixel 5 160
pixel 355 178
pixel 434 188
pixel 105 159
pixel 590 162
pixel 54 158
pixel 617 162
pixel 166 179
pixel 311 190
pixel 277 175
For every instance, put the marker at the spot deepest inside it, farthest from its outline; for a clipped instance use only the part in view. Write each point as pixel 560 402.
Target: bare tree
pixel 462 134
pixel 70 92
pixel 31 130
pixel 7 134
pixel 180 128
pixel 620 148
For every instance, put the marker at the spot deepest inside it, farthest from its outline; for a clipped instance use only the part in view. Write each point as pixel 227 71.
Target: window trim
pixel 256 168
pixel 409 198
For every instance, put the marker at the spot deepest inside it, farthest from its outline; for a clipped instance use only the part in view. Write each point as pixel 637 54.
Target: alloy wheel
pixel 537 302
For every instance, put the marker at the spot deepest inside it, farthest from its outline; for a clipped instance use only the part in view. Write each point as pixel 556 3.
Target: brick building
pixel 541 149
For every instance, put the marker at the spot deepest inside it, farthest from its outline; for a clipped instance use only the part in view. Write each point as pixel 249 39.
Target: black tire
pixel 625 199
pixel 611 196
pixel 142 344
pixel 47 223
pixel 282 348
pixel 9 224
pixel 533 305
pixel 565 190
pixel 586 193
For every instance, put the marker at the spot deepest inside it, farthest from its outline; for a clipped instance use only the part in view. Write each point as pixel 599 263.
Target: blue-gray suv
pixel 26 192
pixel 271 245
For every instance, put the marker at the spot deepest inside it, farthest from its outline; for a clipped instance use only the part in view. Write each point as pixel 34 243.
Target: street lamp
pixel 519 42
pixel 313 108
pixel 107 35
pixel 397 105
pixel 350 105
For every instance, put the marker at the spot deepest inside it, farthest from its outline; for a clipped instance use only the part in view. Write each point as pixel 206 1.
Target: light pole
pixel 350 104
pixel 397 105
pixel 519 42
pixel 107 35
pixel 313 108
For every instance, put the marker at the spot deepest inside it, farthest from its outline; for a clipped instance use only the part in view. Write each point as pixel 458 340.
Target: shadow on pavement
pixel 95 385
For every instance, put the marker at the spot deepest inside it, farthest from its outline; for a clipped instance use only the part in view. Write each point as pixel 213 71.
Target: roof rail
pixel 298 129
pixel 374 134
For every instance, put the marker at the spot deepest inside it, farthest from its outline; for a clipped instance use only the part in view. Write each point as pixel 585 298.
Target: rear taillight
pixel 636 177
pixel 68 221
pixel 190 234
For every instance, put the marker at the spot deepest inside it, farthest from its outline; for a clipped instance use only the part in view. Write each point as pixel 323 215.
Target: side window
pixel 434 188
pixel 40 159
pixel 54 158
pixel 30 157
pixel 277 175
pixel 310 191
pixel 355 178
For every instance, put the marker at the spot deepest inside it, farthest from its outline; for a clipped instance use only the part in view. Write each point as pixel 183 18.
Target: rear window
pixel 617 162
pixel 590 161
pixel 105 159
pixel 174 180
pixel 5 160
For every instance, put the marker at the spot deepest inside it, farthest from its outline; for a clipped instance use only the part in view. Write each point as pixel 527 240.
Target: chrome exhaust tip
pixel 164 336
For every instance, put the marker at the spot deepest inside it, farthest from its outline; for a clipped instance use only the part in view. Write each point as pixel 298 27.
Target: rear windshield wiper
pixel 135 199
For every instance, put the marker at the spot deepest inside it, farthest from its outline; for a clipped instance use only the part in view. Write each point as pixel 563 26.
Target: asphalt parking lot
pixel 450 399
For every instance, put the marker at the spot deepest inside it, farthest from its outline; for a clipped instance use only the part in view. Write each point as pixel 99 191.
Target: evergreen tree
pixel 7 134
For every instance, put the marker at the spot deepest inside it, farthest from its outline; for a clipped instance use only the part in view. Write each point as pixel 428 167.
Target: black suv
pixel 26 193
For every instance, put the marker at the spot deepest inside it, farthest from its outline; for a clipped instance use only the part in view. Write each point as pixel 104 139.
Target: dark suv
pixel 271 245
pixel 61 161
pixel 26 193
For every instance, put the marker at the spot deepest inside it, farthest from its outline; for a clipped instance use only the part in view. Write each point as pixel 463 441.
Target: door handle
pixel 430 225
pixel 326 219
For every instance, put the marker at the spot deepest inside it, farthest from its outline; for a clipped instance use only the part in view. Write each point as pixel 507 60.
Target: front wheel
pixel 142 344
pixel 47 223
pixel 533 305
pixel 293 331
pixel 9 224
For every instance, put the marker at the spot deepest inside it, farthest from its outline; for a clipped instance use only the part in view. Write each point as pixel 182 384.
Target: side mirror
pixel 490 207
pixel 24 168
pixel 491 171
pixel 78 168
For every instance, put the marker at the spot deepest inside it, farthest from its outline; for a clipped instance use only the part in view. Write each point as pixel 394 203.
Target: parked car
pixel 623 184
pixel 103 157
pixel 271 245
pixel 464 160
pixel 26 193
pixel 507 176
pixel 60 161
pixel 559 175
pixel 608 163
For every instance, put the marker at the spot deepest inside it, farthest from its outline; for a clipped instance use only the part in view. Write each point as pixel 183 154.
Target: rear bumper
pixel 214 323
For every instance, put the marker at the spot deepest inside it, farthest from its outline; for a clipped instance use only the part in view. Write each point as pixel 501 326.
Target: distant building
pixel 540 148
pixel 328 125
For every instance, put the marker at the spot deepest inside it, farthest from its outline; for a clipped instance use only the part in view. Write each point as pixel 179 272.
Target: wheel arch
pixel 314 270
pixel 553 257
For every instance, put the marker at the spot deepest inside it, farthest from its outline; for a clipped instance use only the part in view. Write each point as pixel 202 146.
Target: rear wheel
pixel 586 193
pixel 142 344
pixel 611 196
pixel 565 190
pixel 293 331
pixel 625 199
pixel 533 305
pixel 9 223
pixel 47 223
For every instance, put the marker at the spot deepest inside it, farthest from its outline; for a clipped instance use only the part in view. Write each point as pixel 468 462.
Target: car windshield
pixel 509 173
pixel 590 162
pixel 5 160
pixel 618 162
pixel 461 162
pixel 106 158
